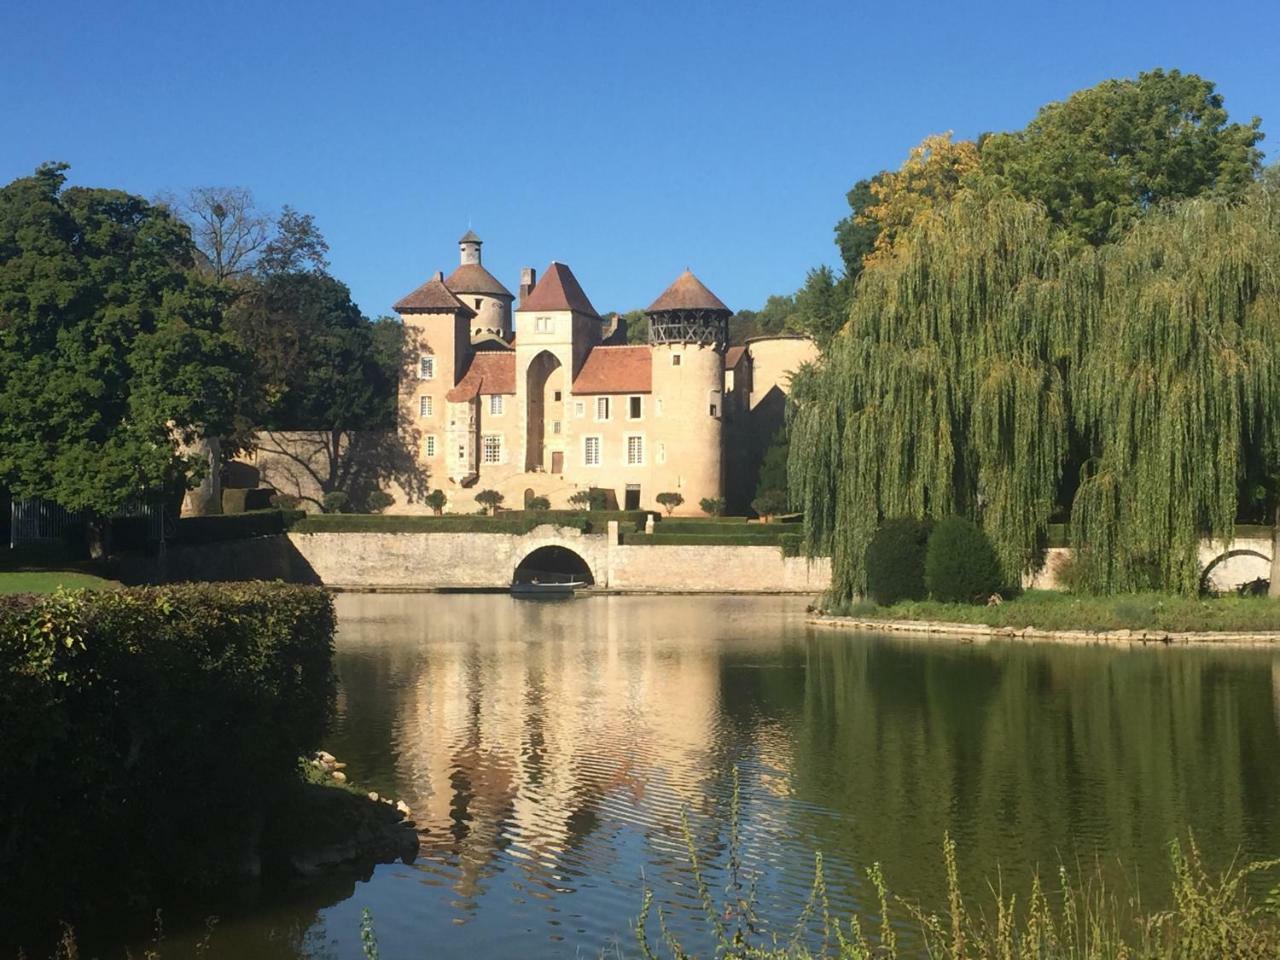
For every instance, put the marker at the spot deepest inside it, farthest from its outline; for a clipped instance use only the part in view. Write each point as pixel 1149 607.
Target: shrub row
pixel 700 539
pixel 235 526
pixel 147 734
pixel 951 561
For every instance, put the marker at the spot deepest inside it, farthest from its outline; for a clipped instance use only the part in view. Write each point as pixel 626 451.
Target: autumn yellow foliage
pixel 933 173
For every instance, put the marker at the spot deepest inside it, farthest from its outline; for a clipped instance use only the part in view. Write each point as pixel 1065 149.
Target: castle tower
pixel 480 291
pixel 688 329
pixel 437 329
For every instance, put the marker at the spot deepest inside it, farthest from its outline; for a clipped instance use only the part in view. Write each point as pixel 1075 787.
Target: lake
pixel 552 752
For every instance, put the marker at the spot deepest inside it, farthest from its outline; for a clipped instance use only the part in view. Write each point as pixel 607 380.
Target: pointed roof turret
pixel 432 297
pixel 558 290
pixel 470 237
pixel 687 293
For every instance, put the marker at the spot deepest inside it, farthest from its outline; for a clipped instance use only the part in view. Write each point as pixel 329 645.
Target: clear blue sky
pixel 625 139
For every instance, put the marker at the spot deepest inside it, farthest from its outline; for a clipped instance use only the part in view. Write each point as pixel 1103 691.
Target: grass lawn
pixel 1053 610
pixel 47 581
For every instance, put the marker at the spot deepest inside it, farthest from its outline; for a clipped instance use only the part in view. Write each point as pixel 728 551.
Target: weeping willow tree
pixel 1179 389
pixel 946 392
pixel 989 346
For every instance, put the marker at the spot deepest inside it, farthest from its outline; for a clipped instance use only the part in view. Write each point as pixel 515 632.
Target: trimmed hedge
pixel 147 734
pixel 510 522
pixel 702 539
pixel 234 526
pixel 895 560
pixel 246 500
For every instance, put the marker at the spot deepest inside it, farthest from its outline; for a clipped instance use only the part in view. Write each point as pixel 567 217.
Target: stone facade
pixel 553 403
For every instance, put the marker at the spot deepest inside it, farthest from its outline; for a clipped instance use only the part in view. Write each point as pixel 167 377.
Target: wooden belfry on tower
pixel 687 312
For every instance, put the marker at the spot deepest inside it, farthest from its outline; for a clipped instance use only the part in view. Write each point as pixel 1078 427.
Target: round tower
pixel 688 329
pixel 480 291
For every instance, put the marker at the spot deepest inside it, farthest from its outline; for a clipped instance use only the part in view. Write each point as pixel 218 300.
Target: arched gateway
pixel 553 563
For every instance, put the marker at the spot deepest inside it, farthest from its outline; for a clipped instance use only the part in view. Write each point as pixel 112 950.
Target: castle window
pixel 429 445
pixel 426 367
pixel 635 408
pixel 715 410
pixel 557 396
pixel 491 448
pixel 555 426
pixel 591 451
pixel 662 453
pixel 477 303
pixel 496 405
pixel 426 407
pixel 542 325
pixel 579 409
pixel 675 359
pixel 602 408
pixel 635 450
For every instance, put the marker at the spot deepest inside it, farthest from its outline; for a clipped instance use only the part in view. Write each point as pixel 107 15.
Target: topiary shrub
pixel 712 506
pixel 490 500
pixel 537 503
pixel 377 501
pixel 895 561
pixel 436 500
pixel 335 501
pixel 960 565
pixel 669 501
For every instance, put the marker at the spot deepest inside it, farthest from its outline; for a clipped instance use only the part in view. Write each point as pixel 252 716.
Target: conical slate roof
pixel 687 293
pixel 473 278
pixel 558 290
pixel 470 237
pixel 432 297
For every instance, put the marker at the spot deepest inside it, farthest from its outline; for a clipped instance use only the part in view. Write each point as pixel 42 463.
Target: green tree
pixel 490 500
pixel 669 501
pixel 436 500
pixel 856 234
pixel 112 351
pixel 1105 155
pixel 712 506
pixel 821 306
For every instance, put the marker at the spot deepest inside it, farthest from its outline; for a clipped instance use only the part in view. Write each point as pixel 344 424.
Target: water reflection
pixel 549 750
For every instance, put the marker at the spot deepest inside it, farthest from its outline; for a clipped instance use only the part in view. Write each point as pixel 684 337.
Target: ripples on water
pixel 550 749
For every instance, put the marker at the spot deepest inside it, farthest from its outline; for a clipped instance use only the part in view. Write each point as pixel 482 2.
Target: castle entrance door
pixel 557 461
pixel 632 497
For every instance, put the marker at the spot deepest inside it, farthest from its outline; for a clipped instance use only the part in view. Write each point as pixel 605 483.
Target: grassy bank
pixel 1054 610
pixel 47 581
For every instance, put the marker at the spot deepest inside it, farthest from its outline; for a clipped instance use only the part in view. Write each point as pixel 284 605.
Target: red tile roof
pixel 473 278
pixel 432 297
pixel 732 356
pixel 687 293
pixel 616 370
pixel 489 372
pixel 558 290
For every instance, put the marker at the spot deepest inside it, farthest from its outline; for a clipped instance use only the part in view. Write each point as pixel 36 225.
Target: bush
pixel 148 733
pixel 770 503
pixel 335 501
pixel 591 499
pixel 669 501
pixel 244 500
pixel 436 500
pixel 895 561
pixel 960 565
pixel 712 506
pixel 490 500
pixel 378 500
pixel 537 503
pixel 285 501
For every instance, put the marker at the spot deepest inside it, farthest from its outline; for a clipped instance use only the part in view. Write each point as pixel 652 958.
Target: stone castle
pixel 544 398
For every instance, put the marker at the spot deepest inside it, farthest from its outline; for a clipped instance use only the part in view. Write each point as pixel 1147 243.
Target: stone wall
pixel 1228 565
pixel 444 561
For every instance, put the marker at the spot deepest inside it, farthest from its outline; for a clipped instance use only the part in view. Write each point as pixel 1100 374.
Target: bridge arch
pixel 1207 573
pixel 553 561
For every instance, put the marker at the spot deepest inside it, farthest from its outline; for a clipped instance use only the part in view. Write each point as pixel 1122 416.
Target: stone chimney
pixel 528 280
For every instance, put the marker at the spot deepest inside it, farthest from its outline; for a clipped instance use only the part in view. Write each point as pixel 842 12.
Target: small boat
pixel 547 585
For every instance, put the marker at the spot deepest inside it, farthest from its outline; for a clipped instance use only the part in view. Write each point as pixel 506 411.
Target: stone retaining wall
pixel 445 561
